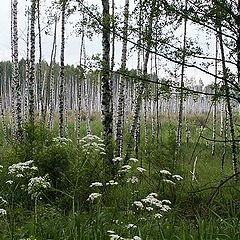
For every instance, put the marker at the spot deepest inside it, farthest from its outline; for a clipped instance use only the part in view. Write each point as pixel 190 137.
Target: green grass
pixel 201 209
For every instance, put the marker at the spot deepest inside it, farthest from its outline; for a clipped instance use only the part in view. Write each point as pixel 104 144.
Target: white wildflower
pixel 3 200
pixel 169 181
pixel 165 208
pixel 62 140
pixel 166 201
pixel 158 215
pixel 117 159
pixel 130 225
pixel 138 204
pixel 96 184
pixel 2 212
pixel 110 231
pixel 112 182
pixel 21 167
pixel 9 182
pixel 114 237
pixel 177 177
pixel 133 179
pixel 141 170
pixel 165 172
pixel 153 194
pixel 19 175
pixel 127 167
pixel 37 184
pixel 93 196
pixel 136 238
pixel 133 160
pixel 150 199
pixel 1 167
pixel 149 209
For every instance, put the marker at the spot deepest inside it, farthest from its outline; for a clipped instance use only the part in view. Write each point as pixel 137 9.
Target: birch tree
pixel 120 109
pixel 62 68
pixel 106 89
pixel 16 79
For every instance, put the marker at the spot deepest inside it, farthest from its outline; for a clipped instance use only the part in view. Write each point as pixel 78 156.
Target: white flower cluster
pixel 117 159
pixel 133 160
pixel 125 169
pixel 37 184
pixel 3 212
pixel 168 175
pixel 22 168
pixel 3 201
pixel 111 183
pixel 132 179
pixel 1 167
pixel 94 196
pixel 62 140
pixel 115 236
pixel 92 143
pixel 151 202
pixel 141 170
pixel 96 184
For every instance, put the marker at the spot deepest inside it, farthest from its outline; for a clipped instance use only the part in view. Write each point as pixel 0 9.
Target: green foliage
pixel 66 211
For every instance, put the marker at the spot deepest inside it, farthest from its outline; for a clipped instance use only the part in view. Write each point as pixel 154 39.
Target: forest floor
pixel 55 188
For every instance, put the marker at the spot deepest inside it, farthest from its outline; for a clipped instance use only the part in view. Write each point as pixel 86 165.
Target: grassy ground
pixel 206 207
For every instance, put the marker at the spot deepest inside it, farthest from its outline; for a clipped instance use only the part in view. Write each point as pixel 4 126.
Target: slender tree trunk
pixel 180 113
pixel 40 85
pixel 120 110
pixel 138 101
pixel 229 107
pixel 49 92
pixel 32 70
pixel 26 96
pixel 106 88
pixel 238 43
pixel 215 102
pixel 62 74
pixel 16 79
pixel 12 85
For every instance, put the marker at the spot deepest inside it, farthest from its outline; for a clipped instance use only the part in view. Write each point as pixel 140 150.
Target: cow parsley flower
pixel 136 238
pixel 9 182
pixel 21 168
pixel 114 236
pixel 111 183
pixel 133 179
pixel 117 159
pixel 165 172
pixel 96 184
pixel 37 184
pixel 158 215
pixel 166 201
pixel 62 140
pixel 131 225
pixel 133 160
pixel 3 200
pixel 3 212
pixel 141 170
pixel 169 181
pixel 177 177
pixel 149 209
pixel 138 204
pixel 165 208
pixel 94 196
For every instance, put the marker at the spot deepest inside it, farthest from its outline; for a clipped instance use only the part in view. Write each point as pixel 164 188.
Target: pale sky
pixel 72 42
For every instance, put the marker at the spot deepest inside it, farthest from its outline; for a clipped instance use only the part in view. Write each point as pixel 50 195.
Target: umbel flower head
pixel 38 184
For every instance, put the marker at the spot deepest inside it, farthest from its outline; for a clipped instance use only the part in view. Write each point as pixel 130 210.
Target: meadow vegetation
pixel 55 188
